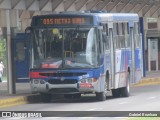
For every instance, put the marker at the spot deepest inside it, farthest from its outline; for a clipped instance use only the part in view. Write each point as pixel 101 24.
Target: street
pixel 145 98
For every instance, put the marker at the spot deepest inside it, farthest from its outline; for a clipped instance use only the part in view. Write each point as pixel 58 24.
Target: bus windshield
pixel 64 48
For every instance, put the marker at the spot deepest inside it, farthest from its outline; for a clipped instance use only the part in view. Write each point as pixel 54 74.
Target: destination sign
pixel 61 20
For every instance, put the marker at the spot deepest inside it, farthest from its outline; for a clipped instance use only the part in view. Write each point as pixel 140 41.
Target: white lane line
pixel 86 118
pixel 100 108
pixel 94 109
pixel 121 118
pixel 153 97
pixel 123 103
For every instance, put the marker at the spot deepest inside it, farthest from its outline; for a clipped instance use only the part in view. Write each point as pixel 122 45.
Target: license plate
pixel 86 85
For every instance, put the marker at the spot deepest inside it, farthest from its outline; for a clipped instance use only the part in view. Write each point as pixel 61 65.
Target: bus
pixel 84 53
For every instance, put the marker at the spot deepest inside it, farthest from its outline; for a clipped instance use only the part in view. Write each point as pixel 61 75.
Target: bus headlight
pixel 88 80
pixel 42 81
pixel 36 81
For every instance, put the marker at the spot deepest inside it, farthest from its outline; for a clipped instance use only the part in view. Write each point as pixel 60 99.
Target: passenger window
pixel 105 36
pixel 137 36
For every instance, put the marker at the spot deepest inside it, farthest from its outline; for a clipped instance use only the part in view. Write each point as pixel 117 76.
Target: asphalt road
pixel 144 98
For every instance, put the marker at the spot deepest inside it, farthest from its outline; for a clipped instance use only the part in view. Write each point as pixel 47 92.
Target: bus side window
pixel 105 36
pixel 121 35
pixel 115 38
pixel 127 39
pixel 136 32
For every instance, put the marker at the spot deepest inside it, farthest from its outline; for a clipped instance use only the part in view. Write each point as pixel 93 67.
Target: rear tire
pixel 45 97
pixel 116 92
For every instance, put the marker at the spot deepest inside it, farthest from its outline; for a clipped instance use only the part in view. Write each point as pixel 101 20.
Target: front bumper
pixel 64 88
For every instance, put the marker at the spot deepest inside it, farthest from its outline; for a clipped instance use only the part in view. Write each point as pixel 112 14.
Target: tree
pixel 3 52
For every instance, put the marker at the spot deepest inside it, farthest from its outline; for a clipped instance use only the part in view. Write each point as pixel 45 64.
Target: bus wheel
pixel 46 97
pixel 126 90
pixel 101 96
pixel 116 92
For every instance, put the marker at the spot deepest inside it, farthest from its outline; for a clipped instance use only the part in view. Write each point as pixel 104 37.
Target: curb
pixel 19 100
pixel 147 81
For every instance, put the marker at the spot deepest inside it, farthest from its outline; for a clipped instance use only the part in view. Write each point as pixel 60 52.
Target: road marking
pixel 86 117
pixel 93 109
pixel 153 97
pixel 121 118
pixel 123 103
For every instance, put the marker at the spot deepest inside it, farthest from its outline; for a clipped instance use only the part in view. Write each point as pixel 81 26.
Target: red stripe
pixel 36 75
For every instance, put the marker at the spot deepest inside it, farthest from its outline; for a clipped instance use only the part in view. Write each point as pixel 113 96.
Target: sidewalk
pixel 21 89
pixel 23 93
pixel 151 78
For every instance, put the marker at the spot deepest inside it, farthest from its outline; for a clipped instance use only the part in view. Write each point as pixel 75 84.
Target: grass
pixel 143 118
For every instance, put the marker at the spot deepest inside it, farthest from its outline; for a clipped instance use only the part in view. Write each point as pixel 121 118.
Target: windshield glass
pixel 64 48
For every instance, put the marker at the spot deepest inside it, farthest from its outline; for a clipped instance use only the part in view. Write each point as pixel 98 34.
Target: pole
pixel 149 55
pixel 132 53
pixel 143 45
pixel 11 83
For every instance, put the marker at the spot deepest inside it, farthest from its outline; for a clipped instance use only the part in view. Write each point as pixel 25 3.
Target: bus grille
pixel 66 81
pixel 65 74
pixel 63 90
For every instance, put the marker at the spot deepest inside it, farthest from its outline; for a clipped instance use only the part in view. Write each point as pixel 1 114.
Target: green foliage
pixel 143 118
pixel 3 53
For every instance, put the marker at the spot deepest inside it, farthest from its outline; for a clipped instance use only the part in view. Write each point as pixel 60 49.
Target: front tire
pixel 101 96
pixel 125 91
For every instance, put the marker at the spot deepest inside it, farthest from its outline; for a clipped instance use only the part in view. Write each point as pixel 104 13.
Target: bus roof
pixel 110 16
pixel 118 17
